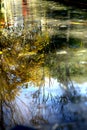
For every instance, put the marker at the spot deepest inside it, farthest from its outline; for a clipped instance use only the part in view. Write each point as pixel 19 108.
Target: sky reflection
pixel 43 102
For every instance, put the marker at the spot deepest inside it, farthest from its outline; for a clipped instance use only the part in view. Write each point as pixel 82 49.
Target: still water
pixel 43 75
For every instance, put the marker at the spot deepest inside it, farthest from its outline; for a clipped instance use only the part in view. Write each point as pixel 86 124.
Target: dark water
pixel 43 59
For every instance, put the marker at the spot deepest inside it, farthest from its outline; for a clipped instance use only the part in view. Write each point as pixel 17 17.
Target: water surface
pixel 43 65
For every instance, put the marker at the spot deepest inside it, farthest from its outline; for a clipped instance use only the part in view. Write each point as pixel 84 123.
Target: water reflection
pixel 43 89
pixel 43 65
pixel 48 104
pixel 56 19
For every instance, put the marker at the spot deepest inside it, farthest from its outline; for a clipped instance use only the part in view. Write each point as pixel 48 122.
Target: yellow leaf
pixel 0 52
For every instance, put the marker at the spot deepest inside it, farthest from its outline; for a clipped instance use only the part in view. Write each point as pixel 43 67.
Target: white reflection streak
pixel 5 12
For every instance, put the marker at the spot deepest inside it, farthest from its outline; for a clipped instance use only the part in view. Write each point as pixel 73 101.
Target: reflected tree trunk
pixel 2 127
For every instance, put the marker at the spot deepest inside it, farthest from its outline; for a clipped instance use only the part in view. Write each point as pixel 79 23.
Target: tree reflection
pixel 30 55
pixel 22 63
pixel 19 63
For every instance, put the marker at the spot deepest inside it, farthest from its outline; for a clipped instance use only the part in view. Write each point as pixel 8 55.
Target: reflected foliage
pixel 30 55
pixel 21 62
pixel 22 59
pixel 63 67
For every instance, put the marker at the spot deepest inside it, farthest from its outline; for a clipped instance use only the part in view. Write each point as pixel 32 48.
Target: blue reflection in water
pixel 49 104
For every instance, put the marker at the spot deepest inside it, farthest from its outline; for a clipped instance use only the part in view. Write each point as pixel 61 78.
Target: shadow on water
pixel 43 73
pixel 76 4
